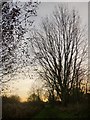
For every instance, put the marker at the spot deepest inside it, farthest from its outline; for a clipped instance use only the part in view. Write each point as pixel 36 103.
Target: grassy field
pixel 71 113
pixel 14 109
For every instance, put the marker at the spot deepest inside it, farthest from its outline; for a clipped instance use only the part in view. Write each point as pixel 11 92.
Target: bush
pixel 13 108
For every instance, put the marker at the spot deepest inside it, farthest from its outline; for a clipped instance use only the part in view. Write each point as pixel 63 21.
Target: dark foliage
pixel 16 20
pixel 12 108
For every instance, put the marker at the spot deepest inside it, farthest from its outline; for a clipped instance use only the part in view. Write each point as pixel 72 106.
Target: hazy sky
pixel 46 8
pixel 23 84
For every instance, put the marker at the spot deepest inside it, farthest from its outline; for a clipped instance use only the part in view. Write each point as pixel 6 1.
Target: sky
pixel 22 85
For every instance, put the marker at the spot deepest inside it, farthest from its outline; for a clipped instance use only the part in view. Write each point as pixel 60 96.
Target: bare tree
pixel 60 48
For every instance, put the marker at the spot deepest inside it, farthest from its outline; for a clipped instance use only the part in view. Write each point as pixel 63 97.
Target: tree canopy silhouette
pixel 16 20
pixel 60 47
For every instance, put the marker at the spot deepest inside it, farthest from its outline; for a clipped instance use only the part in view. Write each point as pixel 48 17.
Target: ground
pixel 61 113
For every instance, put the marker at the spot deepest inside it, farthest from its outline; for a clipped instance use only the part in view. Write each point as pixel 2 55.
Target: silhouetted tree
pixel 60 48
pixel 34 98
pixel 11 99
pixel 16 20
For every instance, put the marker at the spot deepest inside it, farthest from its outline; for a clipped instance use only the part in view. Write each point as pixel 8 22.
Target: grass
pixel 61 113
pixel 44 111
pixel 47 113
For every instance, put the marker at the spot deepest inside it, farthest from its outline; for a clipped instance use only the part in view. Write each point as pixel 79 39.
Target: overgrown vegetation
pixel 37 109
pixel 13 108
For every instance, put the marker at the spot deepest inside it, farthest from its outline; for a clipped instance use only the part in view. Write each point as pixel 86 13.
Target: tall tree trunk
pixel 64 97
